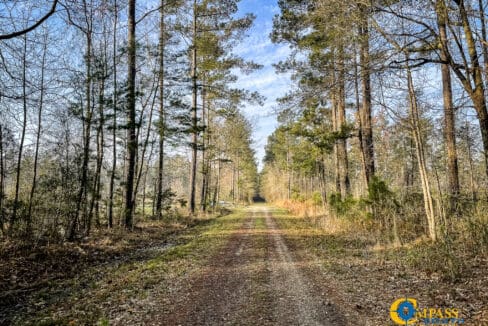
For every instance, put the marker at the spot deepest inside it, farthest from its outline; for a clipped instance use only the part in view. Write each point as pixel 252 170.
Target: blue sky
pixel 258 47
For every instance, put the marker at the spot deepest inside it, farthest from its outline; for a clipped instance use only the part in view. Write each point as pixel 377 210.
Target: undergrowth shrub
pixel 303 208
pixel 471 230
pixel 386 210
pixel 349 207
pixel 393 218
pixel 396 223
pixel 462 240
pixel 379 211
pixel 436 258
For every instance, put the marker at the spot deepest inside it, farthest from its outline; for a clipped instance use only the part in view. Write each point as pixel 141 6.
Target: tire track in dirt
pixel 254 280
pixel 297 301
pixel 217 296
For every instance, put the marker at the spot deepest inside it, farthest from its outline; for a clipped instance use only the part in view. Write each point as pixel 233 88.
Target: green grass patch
pixel 260 223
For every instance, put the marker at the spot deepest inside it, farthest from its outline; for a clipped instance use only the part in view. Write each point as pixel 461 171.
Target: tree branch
pixel 31 28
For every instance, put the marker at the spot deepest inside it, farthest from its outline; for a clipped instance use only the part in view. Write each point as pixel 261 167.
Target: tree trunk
pixel 131 117
pixel 162 120
pixel 155 190
pixel 341 124
pixel 365 112
pixel 217 185
pixel 2 184
pixel 233 182
pixel 144 185
pixel 100 149
pixel 38 137
pixel 449 115
pixel 408 167
pixel 114 123
pixel 419 145
pixel 360 126
pixel 439 201
pixel 86 139
pixel 322 182
pixel 288 168
pixel 193 176
pixel 238 176
pixel 22 136
pixel 205 172
pixel 208 166
pixel 335 128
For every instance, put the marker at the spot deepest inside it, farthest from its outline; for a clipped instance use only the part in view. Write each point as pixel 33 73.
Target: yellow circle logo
pixel 403 311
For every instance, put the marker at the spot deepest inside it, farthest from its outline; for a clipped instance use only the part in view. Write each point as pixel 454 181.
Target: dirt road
pixel 255 279
pixel 259 266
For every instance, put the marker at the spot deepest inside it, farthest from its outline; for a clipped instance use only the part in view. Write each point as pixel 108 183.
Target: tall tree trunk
pixel 335 128
pixel 208 164
pixel 365 112
pixel 439 200
pixel 409 164
pixel 153 206
pixel 114 122
pixel 420 149
pixel 100 152
pixel 87 119
pixel 96 184
pixel 360 126
pixel 193 176
pixel 38 137
pixel 205 117
pixel 144 185
pixel 22 136
pixel 449 115
pixel 322 182
pixel 131 116
pixel 238 176
pixel 217 184
pixel 288 167
pixel 162 119
pixel 2 184
pixel 233 182
pixel 341 123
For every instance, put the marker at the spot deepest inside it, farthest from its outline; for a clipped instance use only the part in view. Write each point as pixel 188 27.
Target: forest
pixel 100 107
pixel 130 172
pixel 387 121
